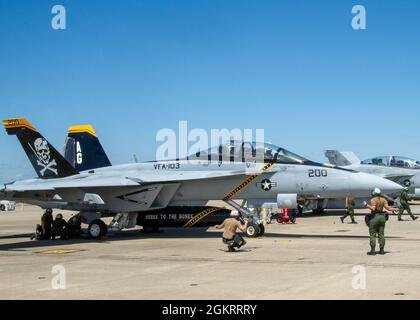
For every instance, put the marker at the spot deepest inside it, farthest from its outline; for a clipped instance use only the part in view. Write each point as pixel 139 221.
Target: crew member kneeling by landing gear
pixel 230 237
pixel 74 227
pixel 377 220
pixel 59 228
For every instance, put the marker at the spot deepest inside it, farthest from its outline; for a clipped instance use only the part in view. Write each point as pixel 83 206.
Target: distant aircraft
pixel 402 170
pixel 227 172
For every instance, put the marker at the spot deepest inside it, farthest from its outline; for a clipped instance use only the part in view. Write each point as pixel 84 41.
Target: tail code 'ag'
pixel 83 149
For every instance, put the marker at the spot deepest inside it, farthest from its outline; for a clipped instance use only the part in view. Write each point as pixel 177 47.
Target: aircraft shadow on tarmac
pixel 172 233
pixel 326 213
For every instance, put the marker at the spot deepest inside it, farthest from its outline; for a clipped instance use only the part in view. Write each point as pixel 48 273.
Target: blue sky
pixel 294 68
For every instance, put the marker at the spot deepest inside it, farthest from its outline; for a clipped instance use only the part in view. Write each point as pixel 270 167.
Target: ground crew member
pixel 38 233
pixel 46 223
pixel 74 227
pixel 230 237
pixel 377 221
pixel 404 206
pixel 350 204
pixel 59 228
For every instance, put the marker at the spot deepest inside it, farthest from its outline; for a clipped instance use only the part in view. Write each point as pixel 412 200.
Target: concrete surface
pixel 313 259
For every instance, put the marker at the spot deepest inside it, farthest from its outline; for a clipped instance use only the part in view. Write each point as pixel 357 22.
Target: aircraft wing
pixel 137 192
pixel 95 181
pixel 171 177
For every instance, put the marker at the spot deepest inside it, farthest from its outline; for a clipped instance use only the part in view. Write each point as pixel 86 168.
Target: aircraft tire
pixel 97 228
pixel 252 230
pixel 262 230
pixel 2 207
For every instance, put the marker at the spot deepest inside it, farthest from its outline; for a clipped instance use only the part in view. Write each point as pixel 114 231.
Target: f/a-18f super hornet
pixel 84 151
pixel 232 171
pixel 403 170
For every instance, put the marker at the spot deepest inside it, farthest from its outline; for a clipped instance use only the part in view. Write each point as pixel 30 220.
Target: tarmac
pixel 317 258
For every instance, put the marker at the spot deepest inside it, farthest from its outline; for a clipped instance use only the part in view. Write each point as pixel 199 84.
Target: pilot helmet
pixel 59 216
pixel 49 211
pixel 234 214
pixel 376 192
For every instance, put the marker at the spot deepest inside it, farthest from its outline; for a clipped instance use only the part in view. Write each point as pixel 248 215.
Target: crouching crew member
pixel 59 228
pixel 38 233
pixel 43 230
pixel 74 227
pixel 230 236
pixel 377 220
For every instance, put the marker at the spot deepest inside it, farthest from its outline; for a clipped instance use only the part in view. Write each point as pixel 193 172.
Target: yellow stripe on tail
pixel 18 123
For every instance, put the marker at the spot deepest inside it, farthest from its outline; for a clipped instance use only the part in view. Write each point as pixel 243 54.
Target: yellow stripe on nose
pixel 246 182
pixel 197 218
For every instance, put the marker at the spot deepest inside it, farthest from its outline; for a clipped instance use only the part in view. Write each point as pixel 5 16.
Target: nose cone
pixel 364 184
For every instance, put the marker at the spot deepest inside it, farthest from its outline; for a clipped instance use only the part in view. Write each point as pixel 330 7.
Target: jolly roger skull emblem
pixel 43 153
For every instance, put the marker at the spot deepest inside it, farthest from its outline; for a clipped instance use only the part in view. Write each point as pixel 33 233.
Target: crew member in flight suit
pixel 404 206
pixel 46 223
pixel 74 227
pixel 230 237
pixel 377 220
pixel 59 228
pixel 350 203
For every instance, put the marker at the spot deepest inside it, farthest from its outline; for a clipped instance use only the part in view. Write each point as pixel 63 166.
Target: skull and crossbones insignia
pixel 43 153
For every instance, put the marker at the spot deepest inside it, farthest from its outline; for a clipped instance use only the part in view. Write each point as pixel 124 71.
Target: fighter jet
pixel 84 151
pixel 403 170
pixel 236 170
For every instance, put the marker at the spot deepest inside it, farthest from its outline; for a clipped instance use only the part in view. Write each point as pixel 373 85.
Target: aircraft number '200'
pixel 317 173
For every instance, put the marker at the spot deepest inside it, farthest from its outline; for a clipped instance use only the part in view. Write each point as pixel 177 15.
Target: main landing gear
pixel 97 229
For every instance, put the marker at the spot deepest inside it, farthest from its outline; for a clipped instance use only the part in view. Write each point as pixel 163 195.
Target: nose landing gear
pixel 255 230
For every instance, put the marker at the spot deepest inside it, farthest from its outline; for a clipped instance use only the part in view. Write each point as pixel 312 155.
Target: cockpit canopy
pixel 393 161
pixel 239 151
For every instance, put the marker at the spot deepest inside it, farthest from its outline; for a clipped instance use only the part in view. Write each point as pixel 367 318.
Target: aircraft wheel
pixel 262 230
pixel 2 207
pixel 97 228
pixel 252 231
pixel 151 229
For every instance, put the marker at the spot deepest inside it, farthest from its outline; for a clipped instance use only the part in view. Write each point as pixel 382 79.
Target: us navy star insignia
pixel 266 185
